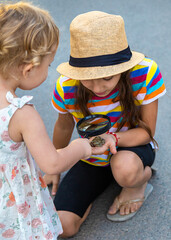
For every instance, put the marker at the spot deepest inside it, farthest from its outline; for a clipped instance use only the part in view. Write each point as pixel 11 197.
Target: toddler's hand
pixel 110 143
pixel 52 179
pixel 84 144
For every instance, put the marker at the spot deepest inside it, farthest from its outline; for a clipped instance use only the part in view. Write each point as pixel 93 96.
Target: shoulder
pixel 26 115
pixel 147 81
pixel 144 72
pixel 143 67
pixel 24 118
pixel 66 82
pixel 65 87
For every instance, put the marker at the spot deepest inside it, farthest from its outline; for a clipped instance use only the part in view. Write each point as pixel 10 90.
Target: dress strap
pixel 18 102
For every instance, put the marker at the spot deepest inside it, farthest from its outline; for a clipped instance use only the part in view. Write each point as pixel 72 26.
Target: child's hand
pixel 83 145
pixel 54 180
pixel 110 143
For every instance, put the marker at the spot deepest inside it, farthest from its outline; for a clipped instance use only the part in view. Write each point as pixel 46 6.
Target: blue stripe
pixel 58 103
pixel 101 99
pixel 70 101
pixel 138 86
pixel 114 114
pixel 69 89
pixel 139 72
pixel 155 87
pixel 154 76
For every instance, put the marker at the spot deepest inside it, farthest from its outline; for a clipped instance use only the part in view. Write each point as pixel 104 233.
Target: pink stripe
pixel 114 119
pixel 95 161
pixel 156 80
pixel 138 79
pixel 56 96
pixel 69 95
pixel 92 160
pixel 110 94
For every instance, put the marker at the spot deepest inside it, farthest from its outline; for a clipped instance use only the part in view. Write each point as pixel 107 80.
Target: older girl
pixel 104 76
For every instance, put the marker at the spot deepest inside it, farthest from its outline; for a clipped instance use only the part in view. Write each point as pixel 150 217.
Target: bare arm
pixel 27 125
pixel 61 136
pixel 139 136
pixel 63 130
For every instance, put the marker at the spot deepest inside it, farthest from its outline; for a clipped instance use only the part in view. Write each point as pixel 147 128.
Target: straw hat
pixel 99 47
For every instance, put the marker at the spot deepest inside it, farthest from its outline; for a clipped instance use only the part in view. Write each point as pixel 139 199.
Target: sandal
pixel 121 218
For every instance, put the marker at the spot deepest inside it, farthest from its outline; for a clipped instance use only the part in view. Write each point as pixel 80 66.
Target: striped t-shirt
pixel 147 85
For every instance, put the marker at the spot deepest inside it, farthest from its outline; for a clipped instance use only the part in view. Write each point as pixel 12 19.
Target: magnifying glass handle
pixel 86 136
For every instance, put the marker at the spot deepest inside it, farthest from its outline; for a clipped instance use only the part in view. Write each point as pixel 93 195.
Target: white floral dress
pixel 27 211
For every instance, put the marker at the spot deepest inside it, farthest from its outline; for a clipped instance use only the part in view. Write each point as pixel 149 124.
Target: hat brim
pixel 88 73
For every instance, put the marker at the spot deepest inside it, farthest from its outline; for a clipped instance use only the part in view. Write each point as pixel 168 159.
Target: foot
pixel 126 195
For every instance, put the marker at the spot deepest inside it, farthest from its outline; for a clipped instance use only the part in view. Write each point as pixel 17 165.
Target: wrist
pixel 88 149
pixel 85 146
pixel 115 136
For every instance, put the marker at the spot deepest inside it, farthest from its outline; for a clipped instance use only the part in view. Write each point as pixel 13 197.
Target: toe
pixel 125 210
pixel 113 208
pixel 133 207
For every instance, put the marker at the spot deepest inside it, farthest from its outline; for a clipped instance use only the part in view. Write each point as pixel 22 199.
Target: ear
pixel 27 68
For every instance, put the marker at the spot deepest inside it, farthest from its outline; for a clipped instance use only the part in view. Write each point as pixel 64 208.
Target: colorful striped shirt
pixel 147 86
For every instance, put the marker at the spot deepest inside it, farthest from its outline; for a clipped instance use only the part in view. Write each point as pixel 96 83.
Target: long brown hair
pixel 131 111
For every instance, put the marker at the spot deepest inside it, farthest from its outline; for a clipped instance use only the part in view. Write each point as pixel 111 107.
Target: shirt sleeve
pixel 155 86
pixel 58 101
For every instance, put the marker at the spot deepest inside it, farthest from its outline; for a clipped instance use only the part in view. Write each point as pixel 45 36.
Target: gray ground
pixel 148 30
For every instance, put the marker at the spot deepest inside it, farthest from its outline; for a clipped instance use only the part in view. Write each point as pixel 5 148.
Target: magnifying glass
pixel 94 125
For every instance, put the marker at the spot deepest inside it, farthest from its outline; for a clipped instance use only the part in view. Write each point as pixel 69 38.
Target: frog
pixel 97 142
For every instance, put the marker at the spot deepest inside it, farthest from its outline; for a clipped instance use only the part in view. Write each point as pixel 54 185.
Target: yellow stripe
pixel 77 114
pixel 137 67
pixel 148 60
pixel 71 82
pixel 151 73
pixel 59 88
pixel 95 164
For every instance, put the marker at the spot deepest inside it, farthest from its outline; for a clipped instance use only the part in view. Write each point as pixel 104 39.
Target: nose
pixel 97 86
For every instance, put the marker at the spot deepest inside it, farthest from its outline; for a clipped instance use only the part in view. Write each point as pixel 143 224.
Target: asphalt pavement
pixel 148 30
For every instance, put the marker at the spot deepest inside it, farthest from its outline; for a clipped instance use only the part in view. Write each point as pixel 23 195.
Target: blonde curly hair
pixel 27 35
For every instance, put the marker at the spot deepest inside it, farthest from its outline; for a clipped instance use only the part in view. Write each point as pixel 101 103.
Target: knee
pixel 125 171
pixel 70 226
pixel 69 229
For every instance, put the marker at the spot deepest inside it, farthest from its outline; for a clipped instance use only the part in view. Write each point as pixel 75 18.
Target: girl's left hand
pixel 110 143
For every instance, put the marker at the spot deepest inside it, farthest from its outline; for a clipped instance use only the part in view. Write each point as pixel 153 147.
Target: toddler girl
pixel 28 43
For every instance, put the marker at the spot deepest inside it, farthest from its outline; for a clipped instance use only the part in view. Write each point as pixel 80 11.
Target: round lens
pixel 93 125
